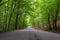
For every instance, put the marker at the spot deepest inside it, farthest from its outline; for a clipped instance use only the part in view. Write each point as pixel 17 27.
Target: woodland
pixel 19 14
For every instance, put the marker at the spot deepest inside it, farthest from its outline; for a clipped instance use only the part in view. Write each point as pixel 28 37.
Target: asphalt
pixel 29 34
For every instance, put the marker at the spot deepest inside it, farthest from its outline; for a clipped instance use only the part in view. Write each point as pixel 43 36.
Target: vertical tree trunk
pixel 56 16
pixel 12 10
pixel 49 24
pixel 9 20
pixel 16 23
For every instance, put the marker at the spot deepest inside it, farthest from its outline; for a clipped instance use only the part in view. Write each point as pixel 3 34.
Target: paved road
pixel 29 34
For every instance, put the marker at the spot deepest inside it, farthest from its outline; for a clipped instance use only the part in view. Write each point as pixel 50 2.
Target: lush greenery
pixel 13 14
pixel 47 14
pixel 18 14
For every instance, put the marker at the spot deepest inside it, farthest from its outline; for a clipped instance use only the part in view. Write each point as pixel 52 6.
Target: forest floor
pixel 29 34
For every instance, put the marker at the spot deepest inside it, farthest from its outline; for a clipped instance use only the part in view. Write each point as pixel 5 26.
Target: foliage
pixel 13 14
pixel 18 14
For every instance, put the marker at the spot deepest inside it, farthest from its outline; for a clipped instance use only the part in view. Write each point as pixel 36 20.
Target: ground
pixel 29 34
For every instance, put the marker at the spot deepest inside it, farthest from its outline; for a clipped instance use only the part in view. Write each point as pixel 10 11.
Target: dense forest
pixel 19 14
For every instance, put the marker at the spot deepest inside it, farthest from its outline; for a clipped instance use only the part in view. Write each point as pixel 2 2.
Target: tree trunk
pixel 49 24
pixel 56 16
pixel 16 23
pixel 12 10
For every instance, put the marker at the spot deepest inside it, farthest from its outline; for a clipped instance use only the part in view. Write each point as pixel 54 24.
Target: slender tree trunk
pixel 49 24
pixel 12 10
pixel 56 16
pixel 17 14
pixel 16 23
pixel 9 19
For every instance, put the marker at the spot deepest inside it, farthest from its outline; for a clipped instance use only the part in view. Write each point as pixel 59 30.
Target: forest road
pixel 29 34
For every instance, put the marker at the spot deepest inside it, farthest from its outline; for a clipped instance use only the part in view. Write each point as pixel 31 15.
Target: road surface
pixel 29 34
